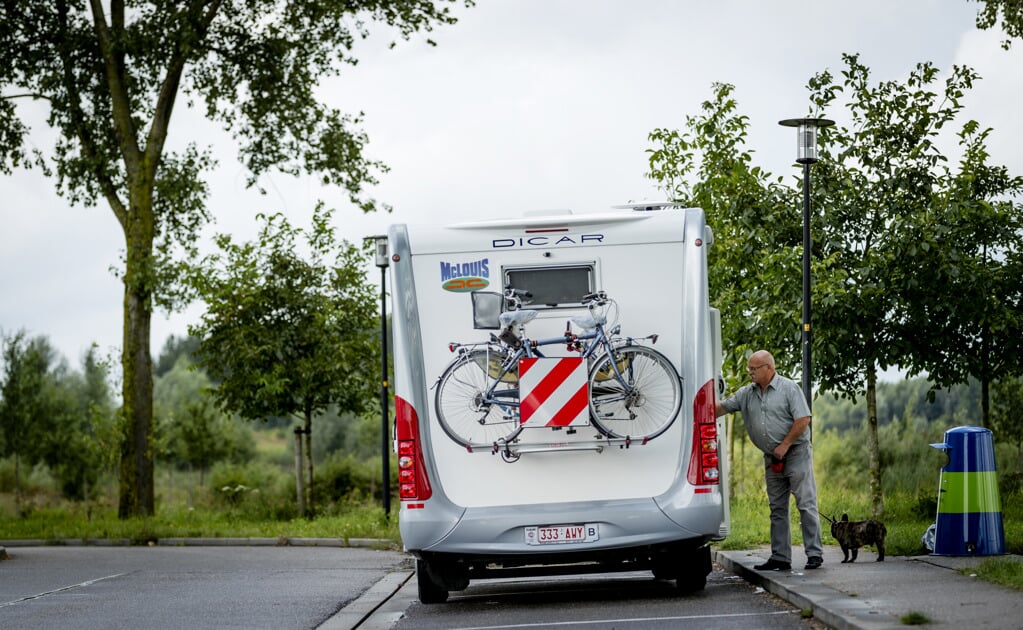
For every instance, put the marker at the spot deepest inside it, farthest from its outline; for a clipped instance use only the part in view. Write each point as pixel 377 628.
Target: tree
pixel 25 363
pixel 877 176
pixel 881 183
pixel 1011 13
pixel 82 432
pixel 189 430
pixel 173 349
pixel 969 246
pixel 55 416
pixel 111 77
pixel 754 261
pixel 288 336
pixel 1007 421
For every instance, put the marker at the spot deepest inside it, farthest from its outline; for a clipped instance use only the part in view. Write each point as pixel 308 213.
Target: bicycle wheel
pixel 466 412
pixel 640 399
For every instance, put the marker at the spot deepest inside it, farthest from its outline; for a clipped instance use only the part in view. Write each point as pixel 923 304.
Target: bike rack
pixel 511 451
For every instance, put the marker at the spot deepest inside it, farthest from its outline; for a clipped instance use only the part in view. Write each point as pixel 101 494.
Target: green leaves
pixel 753 264
pixel 112 77
pixel 52 415
pixel 290 323
pixel 1009 14
pixel 914 264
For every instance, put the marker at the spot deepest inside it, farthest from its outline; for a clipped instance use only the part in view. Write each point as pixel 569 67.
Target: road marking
pixel 548 624
pixel 60 590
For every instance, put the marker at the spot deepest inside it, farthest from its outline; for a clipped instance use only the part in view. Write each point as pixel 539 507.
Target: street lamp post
pixel 806 154
pixel 385 442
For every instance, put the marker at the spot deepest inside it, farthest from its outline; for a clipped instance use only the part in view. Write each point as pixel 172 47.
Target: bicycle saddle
pixel 586 321
pixel 517 318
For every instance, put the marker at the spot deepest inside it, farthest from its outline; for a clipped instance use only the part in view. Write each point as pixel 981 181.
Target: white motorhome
pixel 558 498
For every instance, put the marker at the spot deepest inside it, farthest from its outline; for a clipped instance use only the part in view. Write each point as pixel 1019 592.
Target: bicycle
pixel 634 391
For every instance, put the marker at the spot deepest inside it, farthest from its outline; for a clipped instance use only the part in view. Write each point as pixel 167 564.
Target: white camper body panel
pixel 475 479
pixel 480 506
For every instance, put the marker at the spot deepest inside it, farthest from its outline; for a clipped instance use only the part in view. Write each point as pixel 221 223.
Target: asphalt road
pixel 631 601
pixel 178 588
pixel 339 588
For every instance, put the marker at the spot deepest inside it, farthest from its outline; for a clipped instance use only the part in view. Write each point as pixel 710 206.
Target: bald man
pixel 776 416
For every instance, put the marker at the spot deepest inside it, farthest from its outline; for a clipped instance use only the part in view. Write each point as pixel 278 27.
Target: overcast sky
pixel 522 105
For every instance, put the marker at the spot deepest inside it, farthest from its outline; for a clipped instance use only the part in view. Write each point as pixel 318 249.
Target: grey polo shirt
pixel 769 416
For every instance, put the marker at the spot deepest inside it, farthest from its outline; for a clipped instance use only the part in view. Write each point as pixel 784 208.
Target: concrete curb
pixel 371 611
pixel 830 606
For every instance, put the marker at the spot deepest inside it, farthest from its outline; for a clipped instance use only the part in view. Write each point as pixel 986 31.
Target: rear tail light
pixel 703 462
pixel 413 483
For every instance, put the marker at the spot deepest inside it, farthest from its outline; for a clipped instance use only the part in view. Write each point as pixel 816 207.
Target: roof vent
pixel 647 206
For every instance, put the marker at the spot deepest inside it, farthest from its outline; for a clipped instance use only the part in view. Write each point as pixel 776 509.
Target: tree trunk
pixel 985 372
pixel 299 490
pixel 874 452
pixel 17 485
pixel 136 479
pixel 985 402
pixel 309 461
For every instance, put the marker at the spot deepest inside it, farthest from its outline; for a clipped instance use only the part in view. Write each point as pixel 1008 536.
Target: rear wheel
pixel 692 575
pixel 634 393
pixel 467 413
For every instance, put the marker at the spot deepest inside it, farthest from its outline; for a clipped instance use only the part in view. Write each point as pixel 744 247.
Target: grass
pixel 1005 571
pixel 906 518
pixel 914 619
pixel 750 525
pixel 54 524
pixel 187 508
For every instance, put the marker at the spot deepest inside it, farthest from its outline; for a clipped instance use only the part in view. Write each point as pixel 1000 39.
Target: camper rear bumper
pixel 494 533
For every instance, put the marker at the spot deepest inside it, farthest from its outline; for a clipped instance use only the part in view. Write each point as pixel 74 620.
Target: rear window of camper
pixel 554 286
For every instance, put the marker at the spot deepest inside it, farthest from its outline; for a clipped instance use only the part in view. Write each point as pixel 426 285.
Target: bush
pixel 343 480
pixel 34 480
pixel 254 491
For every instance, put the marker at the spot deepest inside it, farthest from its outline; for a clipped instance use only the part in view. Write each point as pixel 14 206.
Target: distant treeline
pixel 910 399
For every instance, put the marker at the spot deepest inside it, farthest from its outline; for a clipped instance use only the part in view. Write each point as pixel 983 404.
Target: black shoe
pixel 773 565
pixel 814 562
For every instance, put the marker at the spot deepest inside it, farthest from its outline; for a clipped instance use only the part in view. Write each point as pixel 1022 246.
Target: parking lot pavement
pixel 872 595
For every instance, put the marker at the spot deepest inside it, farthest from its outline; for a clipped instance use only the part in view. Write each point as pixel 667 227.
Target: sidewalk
pixel 874 595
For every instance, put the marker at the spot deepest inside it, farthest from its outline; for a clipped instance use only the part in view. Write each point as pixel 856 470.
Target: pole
pixel 385 444
pixel 807 246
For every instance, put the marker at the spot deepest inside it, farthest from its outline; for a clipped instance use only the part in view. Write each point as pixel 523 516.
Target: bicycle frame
pixel 530 348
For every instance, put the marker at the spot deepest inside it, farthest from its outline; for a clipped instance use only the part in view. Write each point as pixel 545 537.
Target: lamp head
pixel 380 245
pixel 806 136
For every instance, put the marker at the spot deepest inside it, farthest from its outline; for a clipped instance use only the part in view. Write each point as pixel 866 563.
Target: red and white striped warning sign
pixel 552 392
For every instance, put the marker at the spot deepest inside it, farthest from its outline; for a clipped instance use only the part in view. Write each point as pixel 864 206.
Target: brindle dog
pixel 852 535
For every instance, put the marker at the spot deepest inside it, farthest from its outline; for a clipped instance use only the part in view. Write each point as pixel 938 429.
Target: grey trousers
pixel 796 479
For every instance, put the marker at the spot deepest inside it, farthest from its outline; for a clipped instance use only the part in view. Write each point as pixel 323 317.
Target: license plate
pixel 561 534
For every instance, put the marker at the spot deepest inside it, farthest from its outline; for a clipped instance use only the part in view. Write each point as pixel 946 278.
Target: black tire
pixel 647 406
pixel 693 573
pixel 690 583
pixel 463 414
pixel 431 591
pixel 662 572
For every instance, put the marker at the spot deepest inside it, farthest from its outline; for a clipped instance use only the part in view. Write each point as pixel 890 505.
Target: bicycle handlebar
pixel 513 292
pixel 516 297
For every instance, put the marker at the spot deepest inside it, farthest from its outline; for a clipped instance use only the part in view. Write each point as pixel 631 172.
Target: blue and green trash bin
pixel 969 509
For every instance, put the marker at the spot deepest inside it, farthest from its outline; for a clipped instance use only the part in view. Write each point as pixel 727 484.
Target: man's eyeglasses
pixel 753 368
